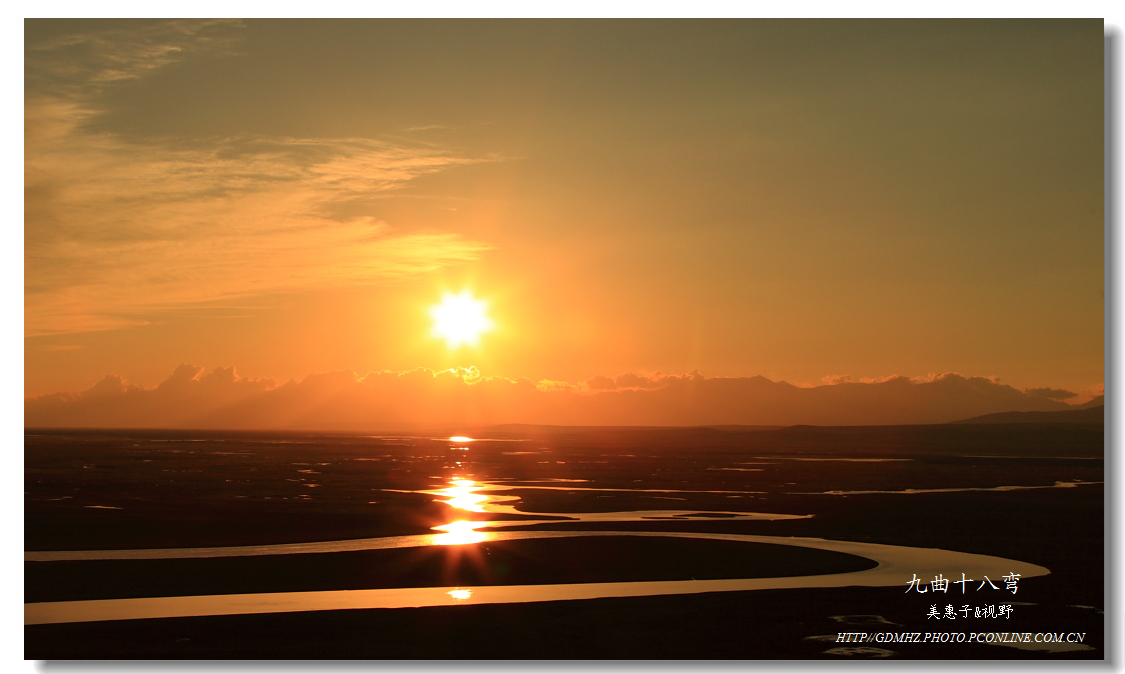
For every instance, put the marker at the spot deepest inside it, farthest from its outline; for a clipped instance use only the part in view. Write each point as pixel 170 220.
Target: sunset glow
pixel 558 245
pixel 492 262
pixel 460 319
pixel 697 287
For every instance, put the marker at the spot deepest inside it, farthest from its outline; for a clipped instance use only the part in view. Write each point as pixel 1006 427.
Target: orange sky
pixel 798 200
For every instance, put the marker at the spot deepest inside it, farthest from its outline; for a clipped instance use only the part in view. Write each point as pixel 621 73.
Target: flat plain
pixel 1031 492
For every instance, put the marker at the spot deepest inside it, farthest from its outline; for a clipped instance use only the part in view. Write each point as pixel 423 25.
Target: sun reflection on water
pixel 460 532
pixel 460 594
pixel 463 495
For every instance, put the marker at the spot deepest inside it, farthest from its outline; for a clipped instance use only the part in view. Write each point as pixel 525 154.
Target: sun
pixel 460 319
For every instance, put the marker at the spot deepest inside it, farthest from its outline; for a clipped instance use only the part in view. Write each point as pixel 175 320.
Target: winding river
pixel 896 566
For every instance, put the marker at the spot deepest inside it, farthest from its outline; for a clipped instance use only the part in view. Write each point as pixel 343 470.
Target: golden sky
pixel 802 200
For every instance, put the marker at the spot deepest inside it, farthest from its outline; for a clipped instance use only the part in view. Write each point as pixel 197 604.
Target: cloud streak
pixel 116 229
pixel 389 401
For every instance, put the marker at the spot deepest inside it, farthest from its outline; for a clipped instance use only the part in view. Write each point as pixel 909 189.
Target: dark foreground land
pixel 145 489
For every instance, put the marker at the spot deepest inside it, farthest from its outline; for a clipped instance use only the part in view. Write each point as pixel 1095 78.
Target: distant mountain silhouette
pixel 1082 415
pixel 1096 402
pixel 193 398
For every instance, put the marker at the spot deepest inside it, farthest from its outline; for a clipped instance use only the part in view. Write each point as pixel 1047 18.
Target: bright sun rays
pixel 460 319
